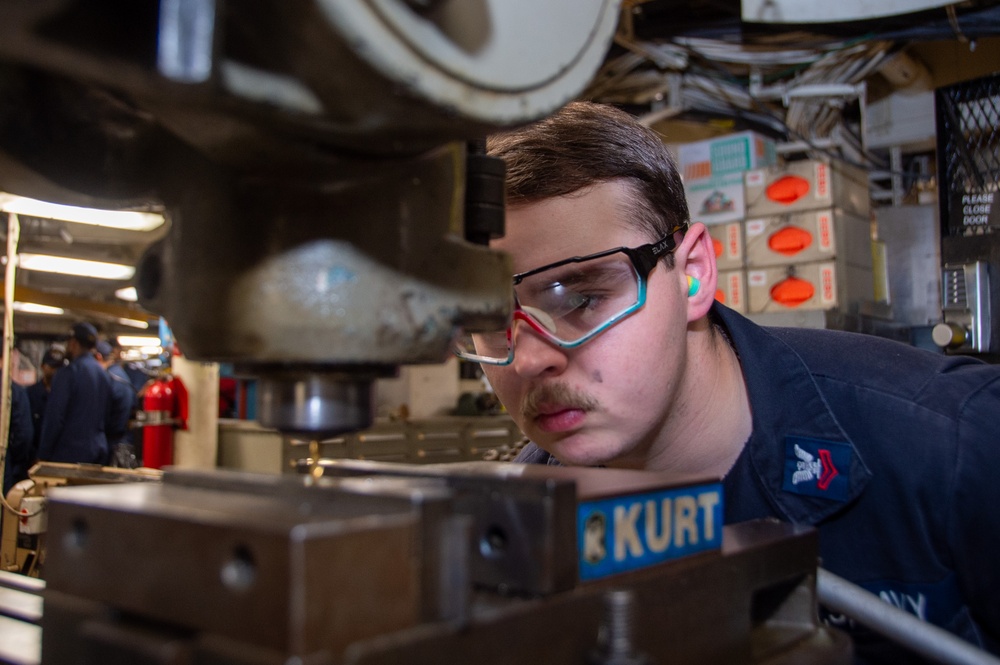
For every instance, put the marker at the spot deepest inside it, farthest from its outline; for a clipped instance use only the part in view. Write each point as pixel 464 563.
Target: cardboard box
pixel 732 153
pixel 716 200
pixel 802 237
pixel 808 286
pixel 731 289
pixel 727 239
pixel 806 185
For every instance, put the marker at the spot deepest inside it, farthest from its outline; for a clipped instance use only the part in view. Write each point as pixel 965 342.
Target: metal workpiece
pixel 753 604
pixel 522 537
pixel 532 525
pixel 277 565
pixel 245 569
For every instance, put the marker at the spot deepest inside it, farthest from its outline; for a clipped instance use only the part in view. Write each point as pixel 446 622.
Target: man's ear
pixel 694 262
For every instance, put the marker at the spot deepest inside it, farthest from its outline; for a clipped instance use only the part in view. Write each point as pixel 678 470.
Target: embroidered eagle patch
pixel 815 467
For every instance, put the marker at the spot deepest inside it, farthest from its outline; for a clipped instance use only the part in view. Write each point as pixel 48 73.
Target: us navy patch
pixel 814 467
pixel 624 533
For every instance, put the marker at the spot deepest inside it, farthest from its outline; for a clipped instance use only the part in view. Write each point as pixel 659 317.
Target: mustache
pixel 555 393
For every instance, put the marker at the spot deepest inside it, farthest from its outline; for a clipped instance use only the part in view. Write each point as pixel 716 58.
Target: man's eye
pixel 583 301
pixel 563 300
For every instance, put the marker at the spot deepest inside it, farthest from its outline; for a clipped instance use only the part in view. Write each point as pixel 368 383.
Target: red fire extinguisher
pixel 165 407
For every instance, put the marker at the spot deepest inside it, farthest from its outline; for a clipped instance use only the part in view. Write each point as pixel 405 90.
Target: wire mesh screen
pixel 968 131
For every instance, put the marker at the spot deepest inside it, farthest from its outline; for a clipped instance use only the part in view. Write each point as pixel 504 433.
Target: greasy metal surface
pixel 703 610
pixel 275 568
pixel 414 441
pixel 247 569
pixel 589 483
pixel 523 532
pixel 523 516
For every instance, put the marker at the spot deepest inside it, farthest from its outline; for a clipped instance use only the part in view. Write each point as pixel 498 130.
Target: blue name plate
pixel 624 533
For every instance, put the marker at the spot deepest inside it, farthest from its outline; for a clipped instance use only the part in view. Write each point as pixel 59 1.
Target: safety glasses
pixel 571 301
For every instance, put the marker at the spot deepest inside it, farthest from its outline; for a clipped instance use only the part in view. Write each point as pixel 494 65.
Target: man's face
pixel 606 401
pixel 73 348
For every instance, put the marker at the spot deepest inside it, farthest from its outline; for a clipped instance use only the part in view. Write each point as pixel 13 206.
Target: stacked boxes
pixel 808 238
pixel 732 153
pixel 731 289
pixel 791 237
pixel 717 199
pixel 713 173
pixel 806 185
pixel 727 240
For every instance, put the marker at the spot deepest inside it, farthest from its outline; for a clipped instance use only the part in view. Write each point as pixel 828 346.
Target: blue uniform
pixel 77 414
pixel 20 455
pixel 890 451
pixel 38 397
pixel 122 404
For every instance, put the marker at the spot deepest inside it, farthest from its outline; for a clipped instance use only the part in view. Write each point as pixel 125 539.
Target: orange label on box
pixel 825 240
pixel 697 170
pixel 829 287
pixel 735 291
pixel 822 181
pixel 733 239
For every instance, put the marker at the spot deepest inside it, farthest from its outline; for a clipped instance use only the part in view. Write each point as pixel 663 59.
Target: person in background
pixel 20 453
pixel 38 393
pixel 78 410
pixel 619 356
pixel 122 405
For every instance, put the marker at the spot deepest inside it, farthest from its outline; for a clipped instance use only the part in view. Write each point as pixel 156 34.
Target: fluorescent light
pixel 134 323
pixel 35 308
pixel 79 267
pixel 138 340
pixel 141 353
pixel 128 293
pixel 129 220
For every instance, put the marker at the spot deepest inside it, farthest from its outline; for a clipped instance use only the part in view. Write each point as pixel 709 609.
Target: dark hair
pixel 584 144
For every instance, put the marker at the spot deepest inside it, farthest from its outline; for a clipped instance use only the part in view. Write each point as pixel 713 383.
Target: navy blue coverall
pixel 20 449
pixel 77 414
pixel 891 452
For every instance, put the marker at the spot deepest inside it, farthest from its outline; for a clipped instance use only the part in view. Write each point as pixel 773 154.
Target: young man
pixel 623 359
pixel 78 409
pixel 121 403
pixel 20 454
pixel 38 393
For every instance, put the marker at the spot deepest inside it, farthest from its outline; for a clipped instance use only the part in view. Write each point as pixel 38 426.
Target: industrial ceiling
pixel 689 69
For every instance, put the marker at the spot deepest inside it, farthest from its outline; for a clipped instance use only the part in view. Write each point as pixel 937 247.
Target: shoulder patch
pixel 814 467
